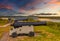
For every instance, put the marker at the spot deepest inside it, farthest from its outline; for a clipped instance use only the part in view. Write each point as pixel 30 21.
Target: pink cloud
pixel 6 6
pixel 21 9
pixel 9 7
pixel 54 2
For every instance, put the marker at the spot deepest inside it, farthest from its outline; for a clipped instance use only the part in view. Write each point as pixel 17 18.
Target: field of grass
pixel 2 30
pixel 51 32
pixel 3 22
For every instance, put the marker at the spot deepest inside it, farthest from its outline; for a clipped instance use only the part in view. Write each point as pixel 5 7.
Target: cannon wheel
pixel 14 34
pixel 31 34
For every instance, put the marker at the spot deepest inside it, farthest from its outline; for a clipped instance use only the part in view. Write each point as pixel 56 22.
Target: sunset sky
pixel 31 6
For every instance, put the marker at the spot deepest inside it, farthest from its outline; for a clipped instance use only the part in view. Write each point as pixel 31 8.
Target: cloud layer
pixel 30 6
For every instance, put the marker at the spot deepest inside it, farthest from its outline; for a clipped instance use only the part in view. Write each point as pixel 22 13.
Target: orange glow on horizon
pixel 54 2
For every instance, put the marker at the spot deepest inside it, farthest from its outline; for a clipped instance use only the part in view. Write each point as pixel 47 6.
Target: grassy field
pixel 2 30
pixel 51 32
pixel 3 22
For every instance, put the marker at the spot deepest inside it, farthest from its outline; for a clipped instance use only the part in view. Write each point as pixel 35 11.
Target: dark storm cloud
pixel 25 4
pixel 16 3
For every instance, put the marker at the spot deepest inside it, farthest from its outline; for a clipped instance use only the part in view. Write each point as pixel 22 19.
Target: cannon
pixel 24 28
pixel 18 24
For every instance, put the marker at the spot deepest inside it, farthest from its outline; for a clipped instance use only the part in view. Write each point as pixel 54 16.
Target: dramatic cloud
pixel 30 6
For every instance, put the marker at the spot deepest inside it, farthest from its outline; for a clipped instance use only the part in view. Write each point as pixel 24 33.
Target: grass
pixel 51 32
pixel 3 22
pixel 46 28
pixel 2 30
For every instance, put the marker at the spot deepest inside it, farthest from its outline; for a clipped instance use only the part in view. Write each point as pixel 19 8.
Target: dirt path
pixel 5 37
pixel 6 25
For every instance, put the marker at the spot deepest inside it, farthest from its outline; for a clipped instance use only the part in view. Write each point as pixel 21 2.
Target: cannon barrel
pixel 18 24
